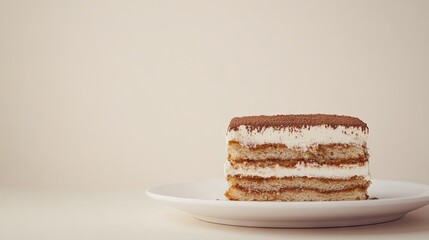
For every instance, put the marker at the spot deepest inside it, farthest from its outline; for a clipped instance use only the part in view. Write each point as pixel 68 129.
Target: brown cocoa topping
pixel 296 122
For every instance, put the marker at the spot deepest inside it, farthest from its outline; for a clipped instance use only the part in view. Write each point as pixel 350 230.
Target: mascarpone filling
pixel 300 170
pixel 299 138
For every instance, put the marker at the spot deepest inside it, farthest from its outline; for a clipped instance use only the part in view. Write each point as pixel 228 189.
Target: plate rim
pixel 422 197
pixel 271 214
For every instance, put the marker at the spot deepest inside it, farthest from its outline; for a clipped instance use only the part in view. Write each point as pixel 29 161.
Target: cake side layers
pixel 314 157
pixel 273 184
pixel 299 170
pixel 298 138
pixel 293 163
pixel 318 153
pixel 300 195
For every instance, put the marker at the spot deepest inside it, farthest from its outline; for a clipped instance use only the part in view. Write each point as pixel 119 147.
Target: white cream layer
pixel 300 170
pixel 299 138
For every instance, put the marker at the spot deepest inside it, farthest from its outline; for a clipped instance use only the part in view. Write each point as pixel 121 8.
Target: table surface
pixel 30 214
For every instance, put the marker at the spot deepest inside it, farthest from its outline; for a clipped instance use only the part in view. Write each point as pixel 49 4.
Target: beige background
pixel 113 95
pixel 100 100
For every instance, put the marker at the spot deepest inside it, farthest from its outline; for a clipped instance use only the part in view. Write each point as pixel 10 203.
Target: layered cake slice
pixel 313 157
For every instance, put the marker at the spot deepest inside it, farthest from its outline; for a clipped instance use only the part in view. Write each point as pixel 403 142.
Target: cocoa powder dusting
pixel 296 122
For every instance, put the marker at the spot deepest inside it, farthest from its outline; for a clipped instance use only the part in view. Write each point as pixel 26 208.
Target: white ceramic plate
pixel 204 199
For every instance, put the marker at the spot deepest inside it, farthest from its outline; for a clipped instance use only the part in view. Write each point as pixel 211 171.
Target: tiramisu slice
pixel 313 157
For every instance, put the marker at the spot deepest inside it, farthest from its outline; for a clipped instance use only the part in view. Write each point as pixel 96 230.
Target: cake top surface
pixel 297 121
